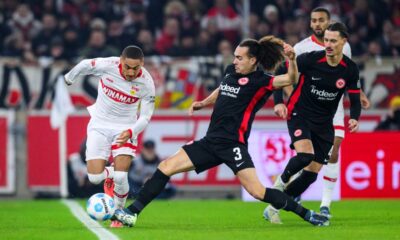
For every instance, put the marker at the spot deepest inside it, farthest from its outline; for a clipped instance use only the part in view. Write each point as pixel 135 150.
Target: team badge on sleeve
pixel 243 81
pixel 298 133
pixel 340 83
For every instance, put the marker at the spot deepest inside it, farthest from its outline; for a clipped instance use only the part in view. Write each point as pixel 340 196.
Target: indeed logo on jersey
pixel 322 94
pixel 229 90
pixel 117 95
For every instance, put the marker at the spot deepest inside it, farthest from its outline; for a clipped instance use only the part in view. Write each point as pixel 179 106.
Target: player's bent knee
pixel 120 177
pixel 96 178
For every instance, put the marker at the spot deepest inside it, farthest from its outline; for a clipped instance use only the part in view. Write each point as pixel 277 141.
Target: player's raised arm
pixel 83 68
pixel 292 75
pixel 197 105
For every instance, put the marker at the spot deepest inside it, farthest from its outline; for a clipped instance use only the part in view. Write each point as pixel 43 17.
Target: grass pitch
pixel 205 220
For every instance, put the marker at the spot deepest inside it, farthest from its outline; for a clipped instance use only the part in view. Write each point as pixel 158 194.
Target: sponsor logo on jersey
pixel 340 83
pixel 322 94
pixel 229 90
pixel 298 133
pixel 243 81
pixel 117 96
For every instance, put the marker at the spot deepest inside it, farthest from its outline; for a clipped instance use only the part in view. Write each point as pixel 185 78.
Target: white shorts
pixel 338 120
pixel 101 144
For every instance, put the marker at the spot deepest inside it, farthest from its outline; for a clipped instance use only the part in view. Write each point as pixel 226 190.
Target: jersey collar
pixel 315 39
pixel 140 73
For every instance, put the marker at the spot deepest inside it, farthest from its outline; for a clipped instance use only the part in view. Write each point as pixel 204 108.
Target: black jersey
pixel 320 87
pixel 239 98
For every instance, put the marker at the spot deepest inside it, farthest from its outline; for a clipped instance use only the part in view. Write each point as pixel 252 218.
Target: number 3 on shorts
pixel 238 155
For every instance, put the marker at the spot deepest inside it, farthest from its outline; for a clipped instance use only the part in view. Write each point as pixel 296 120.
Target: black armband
pixel 355 104
pixel 278 96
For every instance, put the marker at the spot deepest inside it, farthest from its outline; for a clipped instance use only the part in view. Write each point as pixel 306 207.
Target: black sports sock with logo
pixel 149 191
pixel 295 164
pixel 280 200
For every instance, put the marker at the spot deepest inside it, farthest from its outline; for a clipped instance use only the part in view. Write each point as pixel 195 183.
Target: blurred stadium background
pixel 186 43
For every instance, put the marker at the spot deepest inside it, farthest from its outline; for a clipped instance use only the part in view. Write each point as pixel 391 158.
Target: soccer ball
pixel 100 207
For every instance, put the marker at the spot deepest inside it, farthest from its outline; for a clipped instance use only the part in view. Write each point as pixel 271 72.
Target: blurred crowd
pixel 39 31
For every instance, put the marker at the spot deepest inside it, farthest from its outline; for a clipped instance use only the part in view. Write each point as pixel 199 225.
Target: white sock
pixel 329 181
pixel 109 172
pixel 121 188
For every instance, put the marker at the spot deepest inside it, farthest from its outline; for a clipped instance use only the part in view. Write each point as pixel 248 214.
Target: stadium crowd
pixel 43 31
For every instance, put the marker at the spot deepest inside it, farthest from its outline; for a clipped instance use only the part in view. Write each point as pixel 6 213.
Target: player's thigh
pixel 314 167
pixel 97 150
pixel 249 180
pixel 300 134
pixel 122 162
pixel 177 163
pixel 202 154
pixel 323 146
pixel 236 156
pixel 125 151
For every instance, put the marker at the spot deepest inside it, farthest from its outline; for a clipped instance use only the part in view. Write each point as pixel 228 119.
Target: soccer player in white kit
pixel 116 118
pixel 320 19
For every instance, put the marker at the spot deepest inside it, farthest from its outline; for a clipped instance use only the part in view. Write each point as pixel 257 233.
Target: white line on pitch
pixel 92 225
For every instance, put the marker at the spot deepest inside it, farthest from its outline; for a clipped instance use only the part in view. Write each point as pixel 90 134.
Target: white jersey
pixel 117 102
pixel 312 44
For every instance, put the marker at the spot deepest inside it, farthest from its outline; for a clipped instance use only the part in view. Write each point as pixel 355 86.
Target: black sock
pixel 149 191
pixel 295 164
pixel 280 200
pixel 300 184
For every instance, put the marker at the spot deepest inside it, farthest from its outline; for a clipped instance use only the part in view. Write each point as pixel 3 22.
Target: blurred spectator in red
pixel 227 20
pixel 169 35
pixel 392 120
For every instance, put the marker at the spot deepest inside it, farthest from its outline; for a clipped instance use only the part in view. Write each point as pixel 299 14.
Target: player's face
pixel 131 67
pixel 319 22
pixel 333 43
pixel 244 64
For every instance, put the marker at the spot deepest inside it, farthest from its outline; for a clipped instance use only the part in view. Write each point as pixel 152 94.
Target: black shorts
pixel 207 153
pixel 321 136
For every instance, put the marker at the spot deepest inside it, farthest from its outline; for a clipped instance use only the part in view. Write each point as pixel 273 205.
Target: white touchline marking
pixel 91 224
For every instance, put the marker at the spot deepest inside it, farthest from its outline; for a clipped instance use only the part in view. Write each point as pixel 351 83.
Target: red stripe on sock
pixel 330 179
pixel 121 196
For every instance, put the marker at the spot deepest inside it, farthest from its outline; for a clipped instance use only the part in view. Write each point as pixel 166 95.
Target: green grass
pixel 206 220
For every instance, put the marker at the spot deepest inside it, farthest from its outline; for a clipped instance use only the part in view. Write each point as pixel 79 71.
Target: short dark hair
pixel 339 27
pixel 133 52
pixel 322 9
pixel 268 51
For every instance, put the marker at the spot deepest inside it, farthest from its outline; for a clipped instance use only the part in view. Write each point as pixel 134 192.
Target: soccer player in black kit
pixel 325 76
pixel 242 92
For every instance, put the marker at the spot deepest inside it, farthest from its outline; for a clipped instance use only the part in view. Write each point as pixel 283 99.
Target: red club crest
pixel 298 133
pixel 340 83
pixel 243 81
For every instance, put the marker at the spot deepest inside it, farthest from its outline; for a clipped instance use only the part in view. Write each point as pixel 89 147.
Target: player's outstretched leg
pixel 150 190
